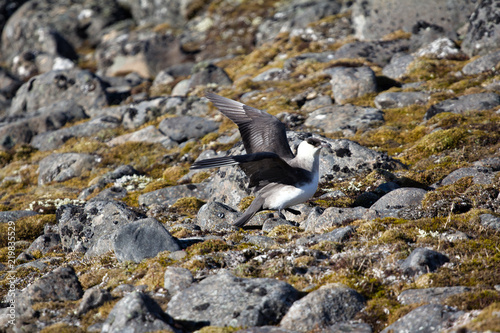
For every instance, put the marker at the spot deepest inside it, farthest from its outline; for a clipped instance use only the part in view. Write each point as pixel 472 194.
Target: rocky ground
pixel 105 229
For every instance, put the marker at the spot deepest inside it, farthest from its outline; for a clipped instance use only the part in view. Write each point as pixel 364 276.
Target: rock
pixel 149 12
pixel 181 88
pixel 140 113
pixel 378 52
pixel 374 19
pixel 183 128
pixel 137 312
pixel 430 295
pixel 333 216
pixel 92 228
pixel 59 285
pixel 81 86
pixel 225 300
pixel 427 318
pixel 272 74
pixel 483 34
pixel 210 74
pixel 8 83
pixel 338 235
pixel 347 119
pixel 76 23
pixel 177 279
pixel 265 329
pixel 148 134
pixel 351 82
pixel 295 15
pixel 142 239
pixel 330 304
pixel 480 175
pixel 262 241
pixel 14 215
pixel 316 103
pixel 169 195
pixel 146 53
pixel 93 298
pixel 462 104
pixel 214 216
pixel 399 198
pixel 45 243
pixel 61 167
pixel 273 222
pixel 389 100
pixel 117 176
pixel 52 140
pixel 399 66
pixel 422 261
pixel 44 120
pixel 483 64
pixel 442 48
pixel 490 221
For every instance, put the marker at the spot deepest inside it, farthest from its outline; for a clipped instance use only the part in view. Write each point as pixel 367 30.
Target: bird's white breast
pixel 289 195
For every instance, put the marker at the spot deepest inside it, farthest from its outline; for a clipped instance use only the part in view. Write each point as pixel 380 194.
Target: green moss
pixel 62 328
pixel 208 246
pixel 474 300
pixel 26 228
pixel 488 320
pixel 245 202
pixel 200 176
pixel 214 329
pixel 188 206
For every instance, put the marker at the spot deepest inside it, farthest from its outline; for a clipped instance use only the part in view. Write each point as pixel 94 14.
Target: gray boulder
pixel 398 66
pixel 483 64
pixel 45 243
pixel 441 48
pixel 92 228
pixel 399 198
pixel 14 215
pixel 338 235
pixel 183 128
pixel 169 195
pixel 93 298
pixel 330 304
pixel 52 140
pixel 427 318
pixel 177 279
pixel 430 295
pixel 61 167
pixel 490 221
pixel 351 82
pixel 334 217
pixel 45 120
pixel 210 74
pixel 378 52
pixel 148 134
pixel 347 119
pixel 483 34
pixel 389 100
pixel 215 216
pixel 480 175
pixel 138 313
pixel 374 19
pixel 226 300
pixel 152 12
pixel 142 239
pixel 422 261
pixel 462 104
pixel 81 86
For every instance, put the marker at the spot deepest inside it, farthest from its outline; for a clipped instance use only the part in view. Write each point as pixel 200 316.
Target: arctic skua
pixel 280 179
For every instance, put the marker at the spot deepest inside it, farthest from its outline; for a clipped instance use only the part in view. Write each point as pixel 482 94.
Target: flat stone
pixel 462 104
pixel 430 295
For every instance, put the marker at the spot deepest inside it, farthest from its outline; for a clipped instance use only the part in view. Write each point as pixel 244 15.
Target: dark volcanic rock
pixel 143 239
pixel 351 82
pixel 80 86
pixel 461 104
pixel 422 261
pixel 330 304
pixel 427 318
pixel 225 300
pixel 137 312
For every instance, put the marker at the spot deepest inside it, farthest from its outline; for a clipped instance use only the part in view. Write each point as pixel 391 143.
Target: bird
pixel 279 178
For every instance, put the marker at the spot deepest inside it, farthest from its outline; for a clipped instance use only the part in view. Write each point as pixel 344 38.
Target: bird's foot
pixel 293 211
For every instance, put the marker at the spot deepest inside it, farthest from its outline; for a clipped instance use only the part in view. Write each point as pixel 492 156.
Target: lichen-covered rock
pixel 351 82
pixel 483 34
pixel 388 100
pixel 330 304
pixel 177 279
pixel 226 300
pixel 333 216
pixel 80 86
pixel 61 167
pixel 215 216
pixel 482 64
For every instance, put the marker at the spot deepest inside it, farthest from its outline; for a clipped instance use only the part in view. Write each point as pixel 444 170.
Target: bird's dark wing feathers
pixel 262 168
pixel 260 131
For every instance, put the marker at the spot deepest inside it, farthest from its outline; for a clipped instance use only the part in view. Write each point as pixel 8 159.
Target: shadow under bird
pixel 280 178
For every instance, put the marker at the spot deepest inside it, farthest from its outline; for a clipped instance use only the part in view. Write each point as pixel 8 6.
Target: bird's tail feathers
pixel 254 207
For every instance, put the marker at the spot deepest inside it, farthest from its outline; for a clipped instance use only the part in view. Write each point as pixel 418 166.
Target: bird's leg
pixel 280 214
pixel 293 211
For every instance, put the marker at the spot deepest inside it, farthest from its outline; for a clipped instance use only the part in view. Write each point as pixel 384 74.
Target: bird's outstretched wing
pixel 260 131
pixel 262 168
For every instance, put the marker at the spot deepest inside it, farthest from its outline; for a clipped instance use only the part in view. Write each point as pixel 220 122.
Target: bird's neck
pixel 308 161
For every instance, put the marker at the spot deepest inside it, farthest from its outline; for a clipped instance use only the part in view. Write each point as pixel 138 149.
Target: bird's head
pixel 311 146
